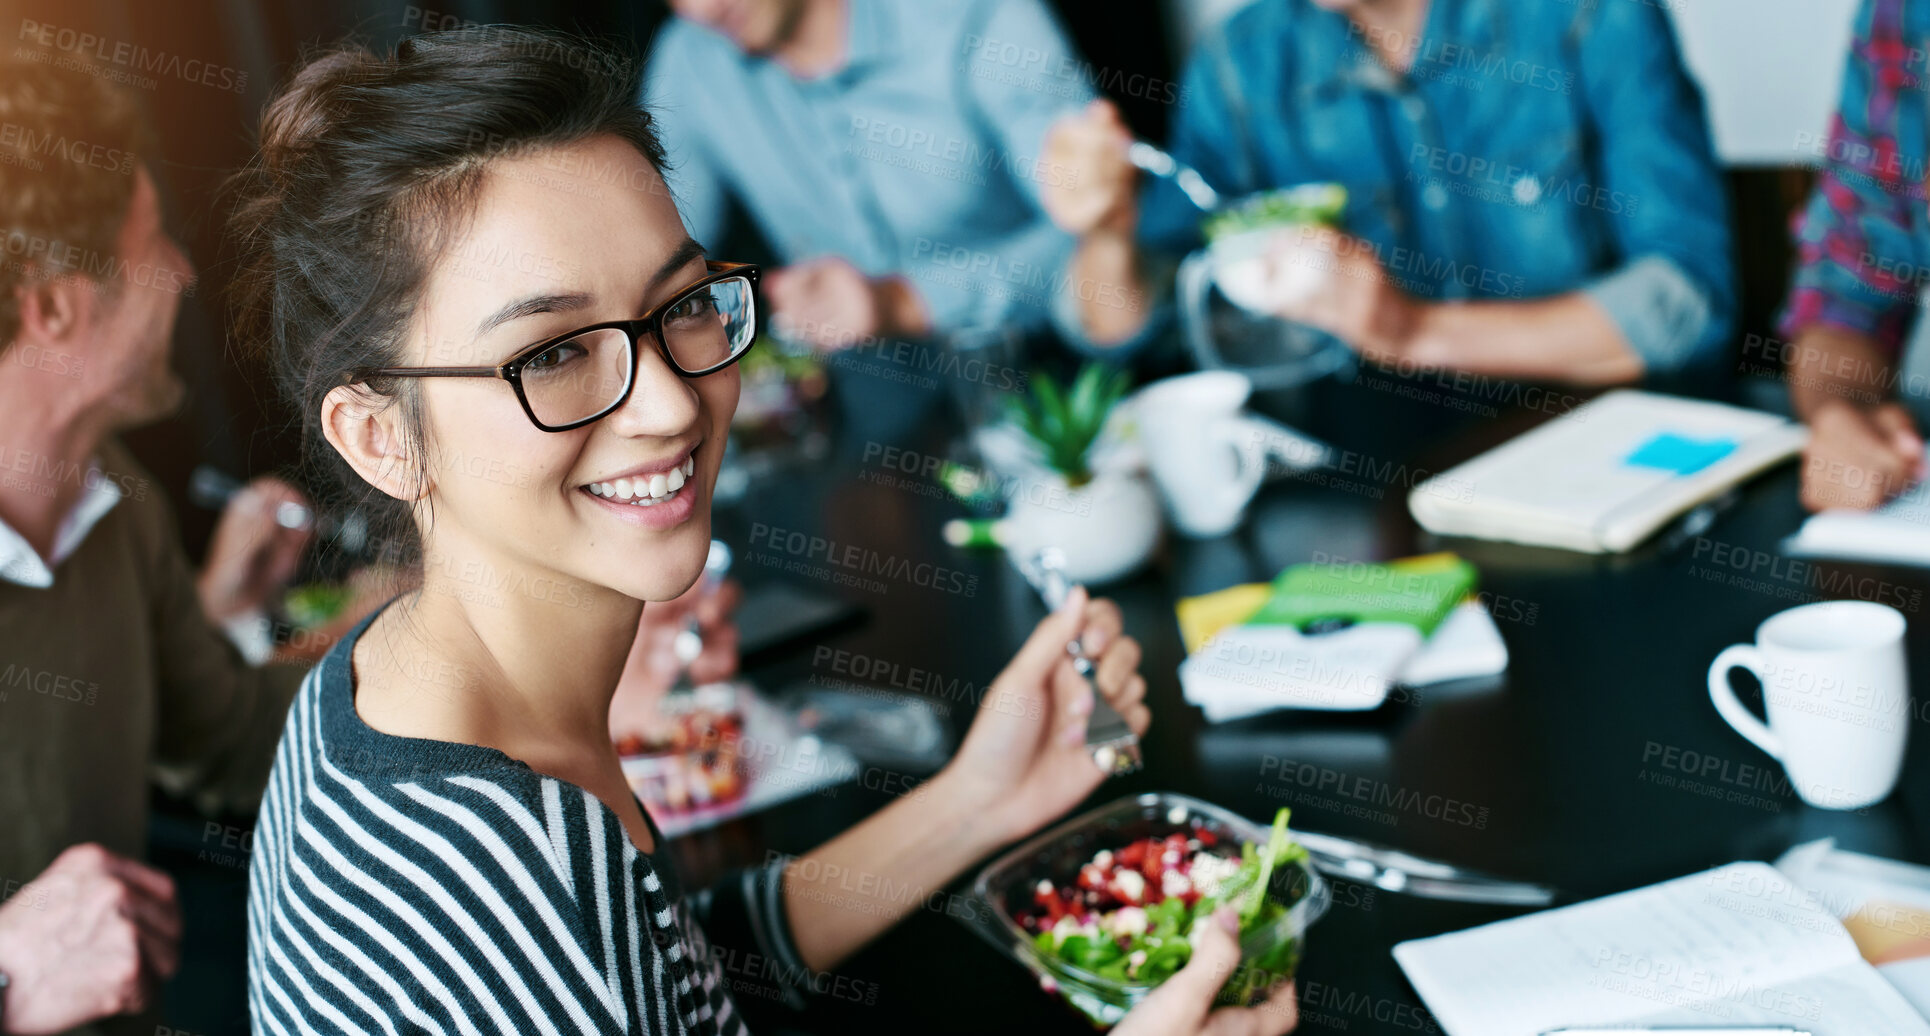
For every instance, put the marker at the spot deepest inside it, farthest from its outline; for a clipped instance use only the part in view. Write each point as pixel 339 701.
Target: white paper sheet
pixel 1739 944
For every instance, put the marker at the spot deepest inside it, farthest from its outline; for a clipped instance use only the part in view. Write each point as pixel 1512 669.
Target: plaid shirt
pixel 1863 240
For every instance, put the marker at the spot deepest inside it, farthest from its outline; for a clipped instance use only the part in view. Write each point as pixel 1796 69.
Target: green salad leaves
pixel 1147 944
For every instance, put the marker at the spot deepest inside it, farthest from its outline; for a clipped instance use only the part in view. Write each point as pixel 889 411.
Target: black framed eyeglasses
pixel 573 379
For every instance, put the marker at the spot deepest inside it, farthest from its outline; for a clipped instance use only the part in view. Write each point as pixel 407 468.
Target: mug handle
pixel 1733 711
pixel 1247 439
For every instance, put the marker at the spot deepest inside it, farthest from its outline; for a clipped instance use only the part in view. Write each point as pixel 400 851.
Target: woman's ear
pixel 365 428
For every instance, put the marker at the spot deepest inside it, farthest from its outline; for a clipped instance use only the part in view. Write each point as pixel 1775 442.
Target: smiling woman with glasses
pixel 570 380
pixel 448 843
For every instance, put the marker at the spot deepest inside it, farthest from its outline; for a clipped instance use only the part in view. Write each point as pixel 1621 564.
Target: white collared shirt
pixel 21 565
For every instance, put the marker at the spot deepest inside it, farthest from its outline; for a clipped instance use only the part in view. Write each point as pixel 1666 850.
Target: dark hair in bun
pixel 366 163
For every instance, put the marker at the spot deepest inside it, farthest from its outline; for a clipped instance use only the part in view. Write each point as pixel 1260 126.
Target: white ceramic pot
pixel 1107 528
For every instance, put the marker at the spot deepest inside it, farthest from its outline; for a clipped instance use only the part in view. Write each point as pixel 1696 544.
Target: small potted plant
pixel 1106 520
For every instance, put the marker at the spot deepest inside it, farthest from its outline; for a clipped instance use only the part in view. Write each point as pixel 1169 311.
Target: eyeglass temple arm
pixel 428 372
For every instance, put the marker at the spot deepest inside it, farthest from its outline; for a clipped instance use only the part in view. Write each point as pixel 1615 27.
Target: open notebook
pixel 1606 475
pixel 1738 945
pixel 1899 531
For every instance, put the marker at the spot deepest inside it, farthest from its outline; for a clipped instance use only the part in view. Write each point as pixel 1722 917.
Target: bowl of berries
pixel 1104 907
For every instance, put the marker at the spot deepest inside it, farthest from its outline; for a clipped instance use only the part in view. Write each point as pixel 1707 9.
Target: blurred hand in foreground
pixel 252 556
pixel 653 665
pixel 1183 1004
pixel 90 938
pixel 1097 188
pixel 830 304
pixel 1024 760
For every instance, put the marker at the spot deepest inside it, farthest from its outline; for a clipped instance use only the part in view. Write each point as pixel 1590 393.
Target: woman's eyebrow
pixel 563 302
pixel 548 302
pixel 685 254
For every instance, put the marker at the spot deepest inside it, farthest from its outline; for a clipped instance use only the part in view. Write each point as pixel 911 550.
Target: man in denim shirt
pixel 1532 190
pixel 888 151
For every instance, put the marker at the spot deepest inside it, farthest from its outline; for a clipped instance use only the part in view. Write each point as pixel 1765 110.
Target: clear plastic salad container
pixel 1005 888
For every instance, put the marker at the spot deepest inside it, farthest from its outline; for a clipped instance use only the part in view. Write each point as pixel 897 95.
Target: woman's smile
pixel 657 496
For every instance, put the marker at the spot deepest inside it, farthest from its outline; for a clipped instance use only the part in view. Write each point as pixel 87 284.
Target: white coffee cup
pixel 1837 696
pixel 1207 456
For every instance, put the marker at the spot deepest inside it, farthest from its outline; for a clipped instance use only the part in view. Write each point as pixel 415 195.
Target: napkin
pixel 1335 637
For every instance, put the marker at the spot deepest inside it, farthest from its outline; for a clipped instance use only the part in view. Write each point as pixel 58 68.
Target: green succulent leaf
pixel 1064 423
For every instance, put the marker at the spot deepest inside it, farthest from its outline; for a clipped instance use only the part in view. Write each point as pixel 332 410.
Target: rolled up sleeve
pixel 1663 313
pixel 1674 296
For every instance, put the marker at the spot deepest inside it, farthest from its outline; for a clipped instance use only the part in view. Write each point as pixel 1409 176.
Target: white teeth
pixel 647 490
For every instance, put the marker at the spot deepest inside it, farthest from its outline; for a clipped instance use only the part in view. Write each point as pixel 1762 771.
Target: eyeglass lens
pixel 585 375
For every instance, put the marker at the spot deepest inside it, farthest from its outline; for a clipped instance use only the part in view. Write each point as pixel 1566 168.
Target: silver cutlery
pixel 1112 743
pixel 1185 177
pixel 1394 871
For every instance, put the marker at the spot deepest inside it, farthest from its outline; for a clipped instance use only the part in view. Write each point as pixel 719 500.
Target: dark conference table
pixel 1596 764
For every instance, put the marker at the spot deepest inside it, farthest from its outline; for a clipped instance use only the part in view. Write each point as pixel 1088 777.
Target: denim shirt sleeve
pixel 1859 241
pixel 1674 297
pixel 677 110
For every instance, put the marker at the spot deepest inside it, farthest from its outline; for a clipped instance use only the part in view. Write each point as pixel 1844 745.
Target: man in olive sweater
pixel 111 673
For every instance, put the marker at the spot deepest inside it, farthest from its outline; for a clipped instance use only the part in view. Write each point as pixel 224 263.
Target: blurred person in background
pixel 112 672
pixel 888 152
pixel 1863 244
pixel 1532 191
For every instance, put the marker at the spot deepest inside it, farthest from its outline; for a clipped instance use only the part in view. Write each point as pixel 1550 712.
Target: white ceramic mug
pixel 1837 695
pixel 1207 456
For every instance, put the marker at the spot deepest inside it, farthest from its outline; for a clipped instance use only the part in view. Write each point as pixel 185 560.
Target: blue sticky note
pixel 1680 454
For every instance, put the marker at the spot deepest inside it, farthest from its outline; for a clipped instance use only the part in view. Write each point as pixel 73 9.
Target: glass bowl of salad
pixel 1103 907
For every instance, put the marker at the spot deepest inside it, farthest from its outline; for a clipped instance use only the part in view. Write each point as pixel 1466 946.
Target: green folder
pixel 1418 592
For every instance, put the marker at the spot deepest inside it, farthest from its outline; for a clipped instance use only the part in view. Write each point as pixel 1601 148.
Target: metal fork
pixel 689 642
pixel 1185 177
pixel 1112 743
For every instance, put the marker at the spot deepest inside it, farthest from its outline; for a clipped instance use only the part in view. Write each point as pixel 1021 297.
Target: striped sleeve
pixel 743 919
pixel 454 903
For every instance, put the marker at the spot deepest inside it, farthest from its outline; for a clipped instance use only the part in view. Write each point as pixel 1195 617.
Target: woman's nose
pixel 661 402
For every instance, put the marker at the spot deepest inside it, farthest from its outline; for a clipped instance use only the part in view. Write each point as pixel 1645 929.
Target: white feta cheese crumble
pixel 1128 921
pixel 1210 871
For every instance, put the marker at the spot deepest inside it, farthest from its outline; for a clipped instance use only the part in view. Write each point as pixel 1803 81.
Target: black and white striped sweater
pixel 407 886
